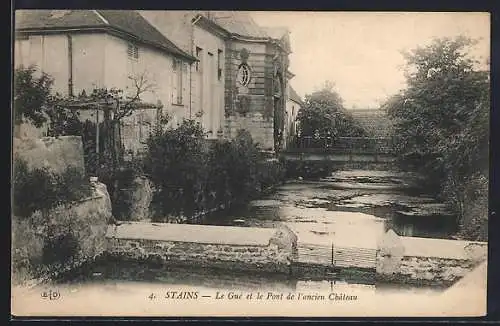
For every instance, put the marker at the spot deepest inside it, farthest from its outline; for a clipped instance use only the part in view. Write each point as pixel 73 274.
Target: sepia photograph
pixel 191 163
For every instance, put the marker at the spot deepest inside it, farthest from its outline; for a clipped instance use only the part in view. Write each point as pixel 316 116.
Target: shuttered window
pixel 133 51
pixel 219 64
pixel 180 70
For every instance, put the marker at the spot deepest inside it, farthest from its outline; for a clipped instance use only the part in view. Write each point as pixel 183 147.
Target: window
pixel 243 76
pixel 133 51
pixel 198 55
pixel 178 68
pixel 219 64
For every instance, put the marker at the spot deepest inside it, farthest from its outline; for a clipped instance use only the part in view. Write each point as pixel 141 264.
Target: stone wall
pixel 259 127
pixel 55 153
pixel 86 220
pixel 426 261
pixel 433 270
pixel 275 256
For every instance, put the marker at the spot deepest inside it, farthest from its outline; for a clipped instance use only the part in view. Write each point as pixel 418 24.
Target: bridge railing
pixel 364 145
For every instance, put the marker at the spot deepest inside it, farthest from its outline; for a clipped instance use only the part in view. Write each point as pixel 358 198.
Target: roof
pixel 239 23
pixel 207 234
pixel 294 96
pixel 276 32
pixel 375 122
pixel 126 22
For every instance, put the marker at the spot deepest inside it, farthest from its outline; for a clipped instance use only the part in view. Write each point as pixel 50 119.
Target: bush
pixel 50 242
pixel 270 173
pixel 441 121
pixel 42 189
pixel 43 242
pixel 308 169
pixel 175 162
pixel 191 178
pixel 474 213
pixel 126 202
pixel 27 248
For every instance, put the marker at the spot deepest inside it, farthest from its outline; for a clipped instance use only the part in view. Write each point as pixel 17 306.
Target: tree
pixel 324 115
pixel 32 94
pixel 446 102
pixel 441 118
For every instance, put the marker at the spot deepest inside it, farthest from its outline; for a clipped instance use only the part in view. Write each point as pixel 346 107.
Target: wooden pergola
pixel 111 106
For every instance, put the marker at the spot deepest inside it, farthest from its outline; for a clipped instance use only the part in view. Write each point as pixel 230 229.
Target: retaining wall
pixel 235 248
pixel 55 153
pixel 426 261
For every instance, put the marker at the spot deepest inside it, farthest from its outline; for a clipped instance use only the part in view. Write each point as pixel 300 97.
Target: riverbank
pixel 316 213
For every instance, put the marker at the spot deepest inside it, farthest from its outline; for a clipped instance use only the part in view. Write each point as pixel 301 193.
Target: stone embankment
pixel 413 261
pixel 232 248
pixel 426 261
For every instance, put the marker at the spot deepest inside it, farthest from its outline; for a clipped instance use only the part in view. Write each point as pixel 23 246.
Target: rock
pixel 476 252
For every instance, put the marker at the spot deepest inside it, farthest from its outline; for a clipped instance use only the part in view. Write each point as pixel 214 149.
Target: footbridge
pixel 341 149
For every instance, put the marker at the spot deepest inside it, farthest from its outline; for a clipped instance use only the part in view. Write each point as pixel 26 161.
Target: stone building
pixel 241 78
pixel 257 76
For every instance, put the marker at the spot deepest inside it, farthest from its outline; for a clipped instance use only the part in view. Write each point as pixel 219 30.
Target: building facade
pixel 220 68
pixel 257 75
pixel 88 49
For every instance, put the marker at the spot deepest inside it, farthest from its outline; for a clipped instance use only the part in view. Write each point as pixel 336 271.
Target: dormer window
pixel 133 51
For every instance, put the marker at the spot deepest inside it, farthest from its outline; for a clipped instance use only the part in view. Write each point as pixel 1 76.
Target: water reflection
pixel 352 208
pixel 390 196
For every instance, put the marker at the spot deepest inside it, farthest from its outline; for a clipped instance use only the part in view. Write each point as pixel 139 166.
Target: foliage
pixel 124 180
pixel 311 170
pixel 31 95
pixel 175 163
pixel 42 189
pixel 441 118
pixel 192 178
pixel 324 115
pixel 270 173
pixel 474 208
pixel 48 243
pixel 108 163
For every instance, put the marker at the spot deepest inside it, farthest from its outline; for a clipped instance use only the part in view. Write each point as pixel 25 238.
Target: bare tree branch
pixel 141 85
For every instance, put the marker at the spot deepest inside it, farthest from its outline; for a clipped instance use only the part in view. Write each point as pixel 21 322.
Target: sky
pixel 360 52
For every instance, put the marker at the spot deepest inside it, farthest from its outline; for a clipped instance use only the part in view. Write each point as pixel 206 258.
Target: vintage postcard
pixel 250 163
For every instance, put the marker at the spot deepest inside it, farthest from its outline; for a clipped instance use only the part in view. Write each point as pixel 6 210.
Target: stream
pixel 355 206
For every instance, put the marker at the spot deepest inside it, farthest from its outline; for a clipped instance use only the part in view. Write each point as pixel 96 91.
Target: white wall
pixel 157 69
pixel 50 54
pixel 101 60
pixel 207 88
